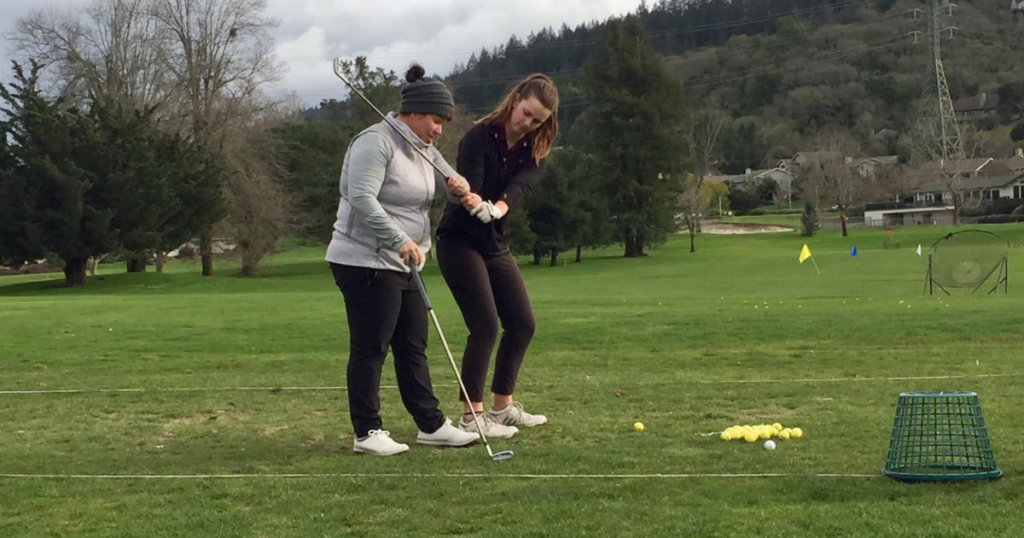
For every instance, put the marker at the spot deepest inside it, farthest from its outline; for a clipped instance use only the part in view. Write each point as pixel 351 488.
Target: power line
pixel 670 61
pixel 566 44
pixel 750 73
pixel 820 34
pixel 802 62
pixel 679 59
pixel 867 47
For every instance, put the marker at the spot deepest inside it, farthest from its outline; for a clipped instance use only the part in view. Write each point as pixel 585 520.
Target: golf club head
pixel 504 455
pixel 337 70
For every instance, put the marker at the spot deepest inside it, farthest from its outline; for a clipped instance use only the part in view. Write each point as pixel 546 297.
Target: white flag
pixel 918 250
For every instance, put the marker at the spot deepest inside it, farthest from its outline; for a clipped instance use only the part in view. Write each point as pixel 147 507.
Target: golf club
pixel 337 71
pixel 500 456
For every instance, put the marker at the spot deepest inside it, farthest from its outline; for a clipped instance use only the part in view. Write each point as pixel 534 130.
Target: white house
pixel 936 215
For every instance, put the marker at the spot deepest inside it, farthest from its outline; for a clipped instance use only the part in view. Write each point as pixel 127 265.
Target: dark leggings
pixel 489 290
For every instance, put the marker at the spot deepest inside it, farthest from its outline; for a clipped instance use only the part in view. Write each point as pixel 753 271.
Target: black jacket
pixel 481 162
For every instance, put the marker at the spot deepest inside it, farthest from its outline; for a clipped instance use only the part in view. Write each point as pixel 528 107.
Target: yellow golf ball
pixel 638 426
pixel 765 433
pixel 796 433
pixel 727 436
pixel 784 434
pixel 750 437
pixel 777 426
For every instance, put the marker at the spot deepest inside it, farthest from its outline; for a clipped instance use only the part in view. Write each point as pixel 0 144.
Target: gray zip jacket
pixel 386 188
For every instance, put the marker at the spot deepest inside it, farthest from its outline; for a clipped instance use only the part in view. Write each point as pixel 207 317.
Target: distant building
pixel 976 107
pixel 748 181
pixel 1015 163
pixel 935 172
pixel 874 166
pixel 909 216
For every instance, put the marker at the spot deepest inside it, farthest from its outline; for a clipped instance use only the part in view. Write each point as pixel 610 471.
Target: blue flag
pixel 853 251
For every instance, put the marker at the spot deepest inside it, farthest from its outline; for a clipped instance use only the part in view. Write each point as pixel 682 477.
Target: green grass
pixel 687 343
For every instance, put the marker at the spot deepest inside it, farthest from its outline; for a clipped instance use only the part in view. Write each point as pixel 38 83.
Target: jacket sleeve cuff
pixel 512 196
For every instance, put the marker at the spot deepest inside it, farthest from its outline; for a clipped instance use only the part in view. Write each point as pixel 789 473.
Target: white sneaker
pixel 447 435
pixel 514 415
pixel 492 429
pixel 378 443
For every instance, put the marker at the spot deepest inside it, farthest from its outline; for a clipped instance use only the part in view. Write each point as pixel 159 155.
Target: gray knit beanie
pixel 425 95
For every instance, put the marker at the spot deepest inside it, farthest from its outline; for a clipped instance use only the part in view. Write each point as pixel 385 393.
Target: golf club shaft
pixel 451 359
pixel 337 71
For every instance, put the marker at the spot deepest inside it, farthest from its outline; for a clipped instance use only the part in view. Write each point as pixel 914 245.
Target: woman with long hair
pixel 501 157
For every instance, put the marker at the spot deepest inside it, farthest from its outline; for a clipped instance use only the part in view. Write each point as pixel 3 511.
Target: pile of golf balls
pixel 751 434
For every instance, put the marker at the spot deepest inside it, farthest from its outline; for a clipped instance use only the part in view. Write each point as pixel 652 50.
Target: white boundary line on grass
pixel 675 382
pixel 853 379
pixel 424 475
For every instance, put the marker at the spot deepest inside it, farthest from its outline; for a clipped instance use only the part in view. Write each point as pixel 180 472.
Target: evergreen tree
pixel 54 208
pixel 553 205
pixel 80 184
pixel 311 155
pixel 634 131
pixel 809 220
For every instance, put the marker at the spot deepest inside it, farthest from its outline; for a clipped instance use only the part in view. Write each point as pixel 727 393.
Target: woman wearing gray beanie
pixel 381 229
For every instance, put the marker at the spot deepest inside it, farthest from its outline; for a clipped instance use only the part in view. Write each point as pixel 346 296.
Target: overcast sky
pixel 437 33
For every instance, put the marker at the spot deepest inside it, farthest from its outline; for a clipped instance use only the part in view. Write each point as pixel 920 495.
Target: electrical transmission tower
pixel 947 129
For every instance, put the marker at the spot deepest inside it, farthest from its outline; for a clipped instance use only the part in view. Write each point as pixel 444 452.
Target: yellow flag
pixel 804 253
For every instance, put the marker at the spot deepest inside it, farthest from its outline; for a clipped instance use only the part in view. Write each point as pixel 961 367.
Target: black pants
pixel 489 290
pixel 385 308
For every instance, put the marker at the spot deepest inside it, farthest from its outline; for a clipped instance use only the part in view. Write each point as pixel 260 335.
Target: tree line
pixel 169 137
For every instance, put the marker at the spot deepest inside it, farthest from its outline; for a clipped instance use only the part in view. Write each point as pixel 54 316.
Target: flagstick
pixel 815 266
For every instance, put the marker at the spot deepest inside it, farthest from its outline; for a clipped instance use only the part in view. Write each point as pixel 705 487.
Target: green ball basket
pixel 939 437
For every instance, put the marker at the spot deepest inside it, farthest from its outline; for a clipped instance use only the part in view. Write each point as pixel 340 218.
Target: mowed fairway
pixel 243 424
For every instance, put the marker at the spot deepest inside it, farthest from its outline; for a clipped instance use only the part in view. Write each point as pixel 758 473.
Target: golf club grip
pixel 337 71
pixel 419 284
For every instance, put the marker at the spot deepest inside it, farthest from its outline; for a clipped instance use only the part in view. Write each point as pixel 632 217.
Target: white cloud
pixel 437 34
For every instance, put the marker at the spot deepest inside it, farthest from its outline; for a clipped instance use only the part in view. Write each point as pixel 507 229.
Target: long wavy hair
pixel 543 88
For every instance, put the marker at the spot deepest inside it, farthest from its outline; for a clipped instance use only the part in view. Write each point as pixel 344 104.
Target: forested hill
pixel 786 68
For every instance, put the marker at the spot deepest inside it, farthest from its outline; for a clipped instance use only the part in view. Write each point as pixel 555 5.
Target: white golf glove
pixel 487 212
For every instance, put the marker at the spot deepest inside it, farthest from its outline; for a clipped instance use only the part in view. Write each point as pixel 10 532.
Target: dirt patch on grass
pixel 732 228
pixel 177 425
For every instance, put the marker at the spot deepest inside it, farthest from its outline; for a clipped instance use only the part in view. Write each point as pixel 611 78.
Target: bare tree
pixel 703 128
pixel 929 158
pixel 890 182
pixel 692 207
pixel 260 209
pixel 829 176
pixel 221 57
pixel 113 48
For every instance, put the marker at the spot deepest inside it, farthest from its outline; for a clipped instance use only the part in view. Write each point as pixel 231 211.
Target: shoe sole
pixel 522 425
pixel 370 452
pixel 447 443
pixel 490 436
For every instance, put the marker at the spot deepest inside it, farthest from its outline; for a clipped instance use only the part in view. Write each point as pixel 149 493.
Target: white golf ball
pixel 769 445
